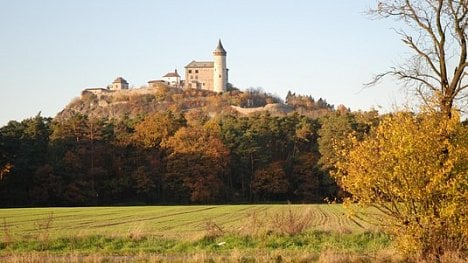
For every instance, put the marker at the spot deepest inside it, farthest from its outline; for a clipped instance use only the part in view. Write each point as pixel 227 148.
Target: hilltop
pixel 147 100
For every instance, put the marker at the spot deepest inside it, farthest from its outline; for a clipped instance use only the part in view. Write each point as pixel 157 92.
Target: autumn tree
pixel 4 170
pixel 156 128
pixel 414 169
pixel 48 187
pixel 144 181
pixel 196 165
pixel 437 36
pixel 270 182
pixel 149 136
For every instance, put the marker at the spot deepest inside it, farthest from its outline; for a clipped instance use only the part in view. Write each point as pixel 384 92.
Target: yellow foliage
pixel 4 170
pixel 155 129
pixel 413 168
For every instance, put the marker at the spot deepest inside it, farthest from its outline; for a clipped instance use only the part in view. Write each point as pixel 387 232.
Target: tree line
pixel 171 157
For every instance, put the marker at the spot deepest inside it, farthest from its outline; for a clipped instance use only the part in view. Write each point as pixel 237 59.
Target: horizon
pixel 325 50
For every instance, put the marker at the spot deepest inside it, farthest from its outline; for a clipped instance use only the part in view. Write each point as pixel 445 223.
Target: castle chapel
pixel 208 75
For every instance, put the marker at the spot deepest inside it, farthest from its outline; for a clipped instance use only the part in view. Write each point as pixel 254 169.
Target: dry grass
pixel 213 230
pixel 254 225
pixel 281 222
pixel 137 232
pixel 7 237
pixel 328 256
pixel 43 227
pixel 448 257
pixel 341 229
pixel 292 222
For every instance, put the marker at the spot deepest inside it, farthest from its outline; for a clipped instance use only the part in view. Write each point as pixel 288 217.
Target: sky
pixel 53 49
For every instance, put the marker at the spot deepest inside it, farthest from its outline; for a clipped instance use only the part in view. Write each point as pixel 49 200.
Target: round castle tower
pixel 220 72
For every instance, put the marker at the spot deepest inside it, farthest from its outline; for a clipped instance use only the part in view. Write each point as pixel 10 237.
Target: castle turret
pixel 220 72
pixel 119 84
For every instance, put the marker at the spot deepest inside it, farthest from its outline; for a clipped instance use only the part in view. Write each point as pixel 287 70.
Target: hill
pixel 147 100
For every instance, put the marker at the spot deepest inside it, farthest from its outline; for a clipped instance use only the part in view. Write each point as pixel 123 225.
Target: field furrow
pixel 165 220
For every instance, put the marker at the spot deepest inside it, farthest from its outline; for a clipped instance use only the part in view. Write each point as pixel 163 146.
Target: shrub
pixel 7 236
pixel 43 227
pixel 212 230
pixel 414 169
pixel 291 223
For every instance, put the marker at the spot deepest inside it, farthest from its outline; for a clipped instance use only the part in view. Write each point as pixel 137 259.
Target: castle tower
pixel 119 84
pixel 220 72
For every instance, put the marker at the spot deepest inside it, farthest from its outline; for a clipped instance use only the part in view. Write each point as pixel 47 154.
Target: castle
pixel 207 75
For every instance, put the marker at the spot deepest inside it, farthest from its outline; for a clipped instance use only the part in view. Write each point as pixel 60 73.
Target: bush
pixel 414 169
pixel 291 223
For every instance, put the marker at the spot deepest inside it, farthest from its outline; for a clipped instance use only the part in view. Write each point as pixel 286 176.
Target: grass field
pixel 182 232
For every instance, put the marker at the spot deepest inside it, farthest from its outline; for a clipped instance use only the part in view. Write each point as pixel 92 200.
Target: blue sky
pixel 51 50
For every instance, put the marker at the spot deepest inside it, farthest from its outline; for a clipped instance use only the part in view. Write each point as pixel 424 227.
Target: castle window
pixel 196 77
pixel 219 76
pixel 196 71
pixel 190 71
pixel 191 77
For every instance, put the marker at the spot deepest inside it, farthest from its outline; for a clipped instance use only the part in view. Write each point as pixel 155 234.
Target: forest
pixel 173 157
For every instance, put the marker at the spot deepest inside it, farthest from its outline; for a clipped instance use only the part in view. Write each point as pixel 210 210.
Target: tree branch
pixel 442 61
pixel 460 69
pixel 409 41
pixel 413 15
pixel 439 23
pixel 403 75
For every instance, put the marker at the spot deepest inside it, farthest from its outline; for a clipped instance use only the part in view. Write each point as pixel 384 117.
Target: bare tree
pixel 437 36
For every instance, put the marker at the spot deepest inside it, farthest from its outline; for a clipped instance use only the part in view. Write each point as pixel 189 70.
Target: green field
pixel 168 221
pixel 180 232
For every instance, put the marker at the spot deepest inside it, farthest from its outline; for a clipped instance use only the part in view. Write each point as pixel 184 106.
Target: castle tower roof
pixel 120 80
pixel 220 51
